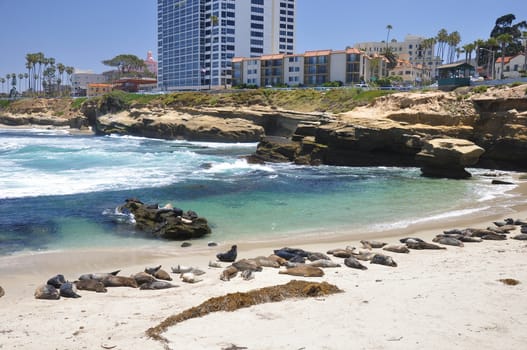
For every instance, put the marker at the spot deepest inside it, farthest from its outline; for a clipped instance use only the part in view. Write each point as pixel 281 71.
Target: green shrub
pixel 480 89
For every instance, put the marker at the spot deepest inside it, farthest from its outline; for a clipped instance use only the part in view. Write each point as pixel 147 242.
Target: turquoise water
pixel 60 191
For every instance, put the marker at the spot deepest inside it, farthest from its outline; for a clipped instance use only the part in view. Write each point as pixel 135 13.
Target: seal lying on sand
pixel 246 264
pixel 410 239
pixel 447 240
pixel 383 260
pixel 354 263
pixel 157 285
pixel 119 281
pixel 247 275
pixel 190 277
pixel 158 273
pixel 48 292
pixel 324 263
pixel 266 262
pixel 303 270
pixel 98 276
pixel 92 285
pixel 57 281
pixel 340 253
pixel 372 244
pixel 422 245
pixel 143 277
pixel 397 249
pixel 228 273
pixel 2 293
pixel 68 290
pixel 229 256
pixel 521 237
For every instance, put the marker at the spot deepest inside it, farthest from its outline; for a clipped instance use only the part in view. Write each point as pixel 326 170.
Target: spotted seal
pixel 422 245
pixel 354 263
pixel 447 240
pixel 372 244
pixel 228 256
pixel 68 290
pixel 91 285
pixel 158 273
pixel 396 249
pixel 119 281
pixel 47 292
pixel 383 260
pixel 303 270
pixel 98 276
pixel 190 277
pixel 57 281
pixel 324 263
pixel 228 273
pixel 157 285
pixel 247 275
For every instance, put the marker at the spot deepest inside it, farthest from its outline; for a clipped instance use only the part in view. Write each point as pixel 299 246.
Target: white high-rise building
pixel 197 39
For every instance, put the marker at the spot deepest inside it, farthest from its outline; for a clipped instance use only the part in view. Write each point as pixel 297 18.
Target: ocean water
pixel 60 191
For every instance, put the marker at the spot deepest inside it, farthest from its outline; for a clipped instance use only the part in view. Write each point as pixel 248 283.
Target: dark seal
pixel 68 290
pixel 229 256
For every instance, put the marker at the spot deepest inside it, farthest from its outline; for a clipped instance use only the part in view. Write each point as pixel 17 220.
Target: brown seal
pixel 228 273
pixel 372 244
pixel 246 264
pixel 276 258
pixel 93 285
pixel 447 240
pixel 143 277
pixel 47 291
pixel 422 245
pixel 119 281
pixel 158 273
pixel 303 270
pixel 264 261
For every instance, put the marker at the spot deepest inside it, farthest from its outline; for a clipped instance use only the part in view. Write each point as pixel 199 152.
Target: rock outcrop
pixel 448 157
pixel 167 222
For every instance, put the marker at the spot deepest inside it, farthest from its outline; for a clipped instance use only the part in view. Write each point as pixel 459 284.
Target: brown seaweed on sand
pixel 239 300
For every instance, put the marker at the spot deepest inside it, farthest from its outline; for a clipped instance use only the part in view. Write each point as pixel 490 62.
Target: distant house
pixel 451 76
pixel 410 73
pixel 512 65
pixel 98 89
pixel 135 84
pixel 81 79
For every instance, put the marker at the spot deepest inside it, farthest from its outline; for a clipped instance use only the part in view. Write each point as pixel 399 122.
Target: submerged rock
pixel 169 223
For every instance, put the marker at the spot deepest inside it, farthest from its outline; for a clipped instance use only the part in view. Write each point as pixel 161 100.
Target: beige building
pixel 408 50
pixel 98 89
pixel 313 68
pixel 81 79
pixel 410 73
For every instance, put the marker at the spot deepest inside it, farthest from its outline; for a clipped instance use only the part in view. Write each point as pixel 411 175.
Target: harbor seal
pixel 246 264
pixel 446 240
pixel 313 256
pixel 157 285
pixel 158 273
pixel 410 239
pixel 98 276
pixel 303 270
pixel 341 253
pixel 143 277
pixel 279 260
pixel 364 256
pixel 2 292
pixel 247 275
pixel 68 290
pixel 521 237
pixel 47 292
pixel 324 263
pixel 213 264
pixel 422 245
pixel 372 244
pixel 91 285
pixel 57 281
pixel 190 277
pixel 229 256
pixel 397 249
pixel 383 260
pixel 354 263
pixel 264 261
pixel 228 273
pixel 119 281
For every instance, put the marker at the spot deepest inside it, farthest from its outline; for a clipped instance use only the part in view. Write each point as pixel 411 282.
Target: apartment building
pixel 409 50
pixel 313 68
pixel 197 39
pixel 81 79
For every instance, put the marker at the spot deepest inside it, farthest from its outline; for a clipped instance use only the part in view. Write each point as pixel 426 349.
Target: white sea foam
pixel 238 164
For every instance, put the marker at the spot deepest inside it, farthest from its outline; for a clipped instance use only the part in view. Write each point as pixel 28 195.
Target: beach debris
pixel 228 256
pixel 372 244
pixel 303 270
pixel 382 259
pixel 235 301
pixel 158 273
pixel 354 263
pixel 509 281
pixel 396 248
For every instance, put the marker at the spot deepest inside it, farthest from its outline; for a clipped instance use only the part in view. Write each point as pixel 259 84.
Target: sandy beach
pixel 433 299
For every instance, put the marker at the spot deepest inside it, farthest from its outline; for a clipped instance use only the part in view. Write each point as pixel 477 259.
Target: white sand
pixel 432 300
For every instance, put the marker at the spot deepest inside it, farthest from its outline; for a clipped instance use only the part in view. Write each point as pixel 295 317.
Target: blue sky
pixel 83 33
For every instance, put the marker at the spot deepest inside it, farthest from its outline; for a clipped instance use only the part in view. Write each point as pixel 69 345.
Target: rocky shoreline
pixel 441 132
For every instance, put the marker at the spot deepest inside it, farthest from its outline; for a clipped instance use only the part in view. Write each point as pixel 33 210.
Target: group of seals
pixel 56 287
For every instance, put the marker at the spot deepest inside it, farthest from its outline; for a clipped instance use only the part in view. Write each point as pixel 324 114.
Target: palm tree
pixel 2 81
pixel 492 44
pixel 7 77
pixel 503 40
pixel 453 40
pixel 20 77
pixel 61 68
pixel 388 28
pixel 26 76
pixel 40 59
pixel 442 38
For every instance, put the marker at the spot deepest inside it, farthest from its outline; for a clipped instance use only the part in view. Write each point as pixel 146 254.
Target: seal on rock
pixel 354 263
pixel 47 291
pixel 57 281
pixel 383 260
pixel 119 281
pixel 68 290
pixel 228 256
pixel 91 285
pixel 303 270
pixel 397 249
